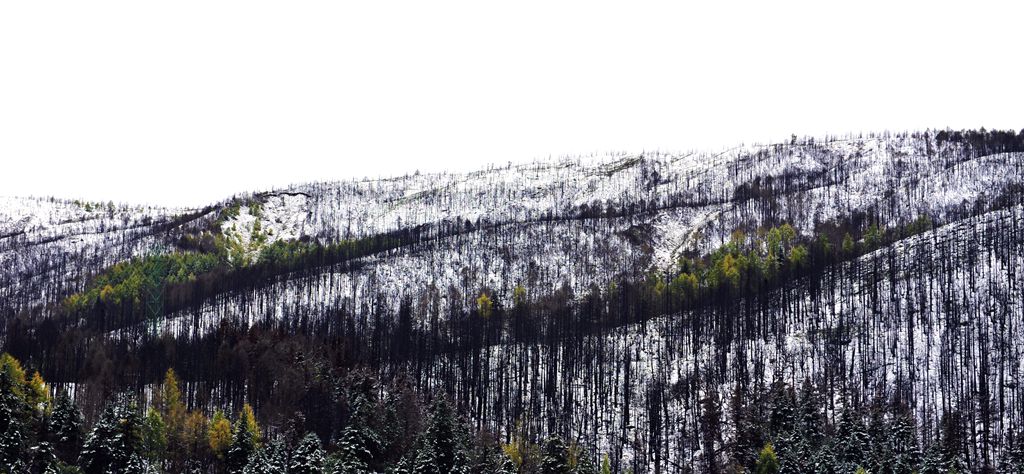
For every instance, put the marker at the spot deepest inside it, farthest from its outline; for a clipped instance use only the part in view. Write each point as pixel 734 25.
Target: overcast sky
pixel 185 102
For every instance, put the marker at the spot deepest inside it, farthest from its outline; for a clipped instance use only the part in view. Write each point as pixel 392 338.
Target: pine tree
pixel 767 462
pixel 259 463
pixel 277 456
pixel 849 246
pixel 269 459
pixel 14 415
pixel 358 444
pixel 244 441
pixel 851 439
pixel 555 459
pixel 116 442
pixel 308 457
pixel 65 428
pixel 443 445
pixel 906 454
pixel 155 436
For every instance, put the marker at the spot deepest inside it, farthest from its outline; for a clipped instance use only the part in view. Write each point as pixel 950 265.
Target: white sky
pixel 185 102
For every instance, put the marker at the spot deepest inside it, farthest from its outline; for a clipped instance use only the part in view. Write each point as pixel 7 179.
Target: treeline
pixel 383 429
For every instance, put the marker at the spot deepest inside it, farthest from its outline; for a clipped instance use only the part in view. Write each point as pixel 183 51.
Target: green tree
pixel 519 296
pixel 555 459
pixel 116 442
pixel 849 246
pixel 443 444
pixel 65 428
pixel 798 257
pixel 359 443
pixel 767 462
pixel 244 441
pixel 14 415
pixel 155 436
pixel 873 237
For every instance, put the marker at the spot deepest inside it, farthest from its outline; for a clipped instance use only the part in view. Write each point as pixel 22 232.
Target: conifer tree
pixel 65 429
pixel 14 415
pixel 308 457
pixel 849 246
pixel 174 414
pixel 851 439
pixel 906 455
pixel 244 440
pixel 442 447
pixel 195 437
pixel 155 436
pixel 219 435
pixel 555 459
pixel 767 462
pixel 359 443
pixel 116 442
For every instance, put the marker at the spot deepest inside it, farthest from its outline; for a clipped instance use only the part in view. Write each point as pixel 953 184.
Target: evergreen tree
pixel 849 246
pixel 65 429
pixel 155 436
pixel 906 454
pixel 308 457
pixel 116 442
pixel 555 459
pixel 443 445
pixel 767 462
pixel 851 439
pixel 244 440
pixel 359 444
pixel 1012 457
pixel 269 459
pixel 14 415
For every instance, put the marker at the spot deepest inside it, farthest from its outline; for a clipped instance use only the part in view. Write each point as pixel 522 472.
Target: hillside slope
pixel 674 311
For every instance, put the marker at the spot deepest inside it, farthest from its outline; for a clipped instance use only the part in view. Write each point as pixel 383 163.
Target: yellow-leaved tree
pixel 219 434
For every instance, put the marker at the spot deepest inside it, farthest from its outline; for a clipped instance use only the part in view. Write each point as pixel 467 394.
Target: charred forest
pixel 823 305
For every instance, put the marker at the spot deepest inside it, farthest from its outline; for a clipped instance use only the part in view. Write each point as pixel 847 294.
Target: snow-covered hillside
pixel 401 276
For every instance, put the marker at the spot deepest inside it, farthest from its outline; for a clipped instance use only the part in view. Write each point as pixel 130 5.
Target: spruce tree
pixel 116 442
pixel 155 436
pixel 359 444
pixel 442 446
pixel 906 454
pixel 308 457
pixel 65 428
pixel 555 460
pixel 244 440
pixel 767 462
pixel 14 415
pixel 851 439
pixel 259 463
